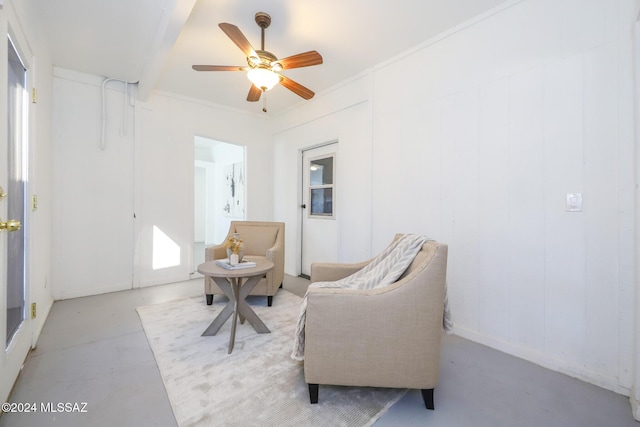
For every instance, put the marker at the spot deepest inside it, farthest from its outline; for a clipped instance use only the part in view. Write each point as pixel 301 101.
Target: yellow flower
pixel 234 244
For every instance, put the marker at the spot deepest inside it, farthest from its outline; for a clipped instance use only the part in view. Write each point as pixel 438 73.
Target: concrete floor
pixel 94 350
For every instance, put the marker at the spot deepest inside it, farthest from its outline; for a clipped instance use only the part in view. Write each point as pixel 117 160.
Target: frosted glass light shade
pixel 263 78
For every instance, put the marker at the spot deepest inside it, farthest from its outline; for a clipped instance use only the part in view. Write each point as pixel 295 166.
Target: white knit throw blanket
pixel 383 270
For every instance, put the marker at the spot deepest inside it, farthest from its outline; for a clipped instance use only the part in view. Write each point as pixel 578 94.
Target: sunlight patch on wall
pixel 166 252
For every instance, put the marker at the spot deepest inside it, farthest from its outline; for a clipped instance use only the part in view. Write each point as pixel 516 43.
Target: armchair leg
pixel 427 396
pixel 270 300
pixel 209 299
pixel 313 393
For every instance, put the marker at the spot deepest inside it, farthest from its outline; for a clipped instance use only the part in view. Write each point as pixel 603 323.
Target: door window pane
pixel 321 171
pixel 322 201
pixel 322 186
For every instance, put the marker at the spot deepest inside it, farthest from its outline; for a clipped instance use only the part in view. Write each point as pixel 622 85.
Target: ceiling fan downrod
pixel 263 20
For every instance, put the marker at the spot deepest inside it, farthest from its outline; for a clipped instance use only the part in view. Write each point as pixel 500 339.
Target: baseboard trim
pixel 78 293
pixel 635 407
pixel 558 365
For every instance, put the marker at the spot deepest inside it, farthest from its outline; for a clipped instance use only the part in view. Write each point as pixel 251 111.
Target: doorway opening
pixel 218 193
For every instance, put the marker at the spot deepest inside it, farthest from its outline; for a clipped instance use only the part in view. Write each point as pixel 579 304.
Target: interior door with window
pixel 16 334
pixel 319 219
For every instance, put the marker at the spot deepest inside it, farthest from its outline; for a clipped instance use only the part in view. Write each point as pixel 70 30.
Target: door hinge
pixel 34 95
pixel 33 310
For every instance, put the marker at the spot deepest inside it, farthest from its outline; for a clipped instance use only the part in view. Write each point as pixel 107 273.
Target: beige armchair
pixel 384 337
pixel 263 239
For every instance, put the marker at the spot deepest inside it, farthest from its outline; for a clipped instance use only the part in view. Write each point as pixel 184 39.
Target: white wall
pixel 485 129
pixel 94 204
pixel 110 201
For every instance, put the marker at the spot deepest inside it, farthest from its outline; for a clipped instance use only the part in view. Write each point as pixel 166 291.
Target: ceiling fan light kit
pixel 263 78
pixel 263 66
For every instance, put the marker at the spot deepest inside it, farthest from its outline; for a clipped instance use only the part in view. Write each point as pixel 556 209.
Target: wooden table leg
pixel 215 326
pixel 235 284
pixel 236 291
pixel 245 309
pixel 228 310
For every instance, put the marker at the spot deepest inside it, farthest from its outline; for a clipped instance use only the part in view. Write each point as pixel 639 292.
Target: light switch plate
pixel 574 202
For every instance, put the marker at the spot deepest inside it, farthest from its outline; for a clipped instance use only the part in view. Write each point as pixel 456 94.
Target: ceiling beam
pixel 173 19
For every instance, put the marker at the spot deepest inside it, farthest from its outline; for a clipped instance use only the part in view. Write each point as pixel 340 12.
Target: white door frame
pixel 634 395
pixel 14 352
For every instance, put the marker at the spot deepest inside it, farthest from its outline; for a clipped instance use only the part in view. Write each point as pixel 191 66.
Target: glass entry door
pixel 15 197
pixel 15 324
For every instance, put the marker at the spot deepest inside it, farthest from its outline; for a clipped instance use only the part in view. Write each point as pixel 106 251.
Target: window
pixel 322 187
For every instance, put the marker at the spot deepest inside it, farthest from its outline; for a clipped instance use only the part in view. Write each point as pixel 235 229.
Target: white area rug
pixel 256 385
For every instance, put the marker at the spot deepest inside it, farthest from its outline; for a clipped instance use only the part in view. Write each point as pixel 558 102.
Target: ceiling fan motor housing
pixel 265 59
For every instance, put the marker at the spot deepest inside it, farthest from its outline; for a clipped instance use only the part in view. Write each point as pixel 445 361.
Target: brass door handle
pixel 10 225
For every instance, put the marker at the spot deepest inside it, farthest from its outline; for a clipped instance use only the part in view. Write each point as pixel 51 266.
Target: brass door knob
pixel 10 225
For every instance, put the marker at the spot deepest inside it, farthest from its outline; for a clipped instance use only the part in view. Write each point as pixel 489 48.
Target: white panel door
pixel 319 210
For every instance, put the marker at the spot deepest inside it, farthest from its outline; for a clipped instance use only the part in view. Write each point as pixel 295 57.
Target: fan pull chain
pixel 264 101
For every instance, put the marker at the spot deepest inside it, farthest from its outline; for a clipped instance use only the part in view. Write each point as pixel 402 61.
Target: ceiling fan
pixel 263 67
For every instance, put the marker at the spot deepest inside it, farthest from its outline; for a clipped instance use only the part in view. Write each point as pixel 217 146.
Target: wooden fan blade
pixel 238 38
pixel 296 88
pixel 305 59
pixel 254 94
pixel 219 68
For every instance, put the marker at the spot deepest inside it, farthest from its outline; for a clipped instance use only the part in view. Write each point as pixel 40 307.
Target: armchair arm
pixel 215 252
pixel 274 251
pixel 330 272
pixel 275 254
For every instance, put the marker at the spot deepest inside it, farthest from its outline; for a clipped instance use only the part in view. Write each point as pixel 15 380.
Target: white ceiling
pixel 155 42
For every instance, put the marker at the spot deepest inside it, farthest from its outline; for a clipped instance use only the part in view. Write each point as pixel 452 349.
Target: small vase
pixel 233 259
